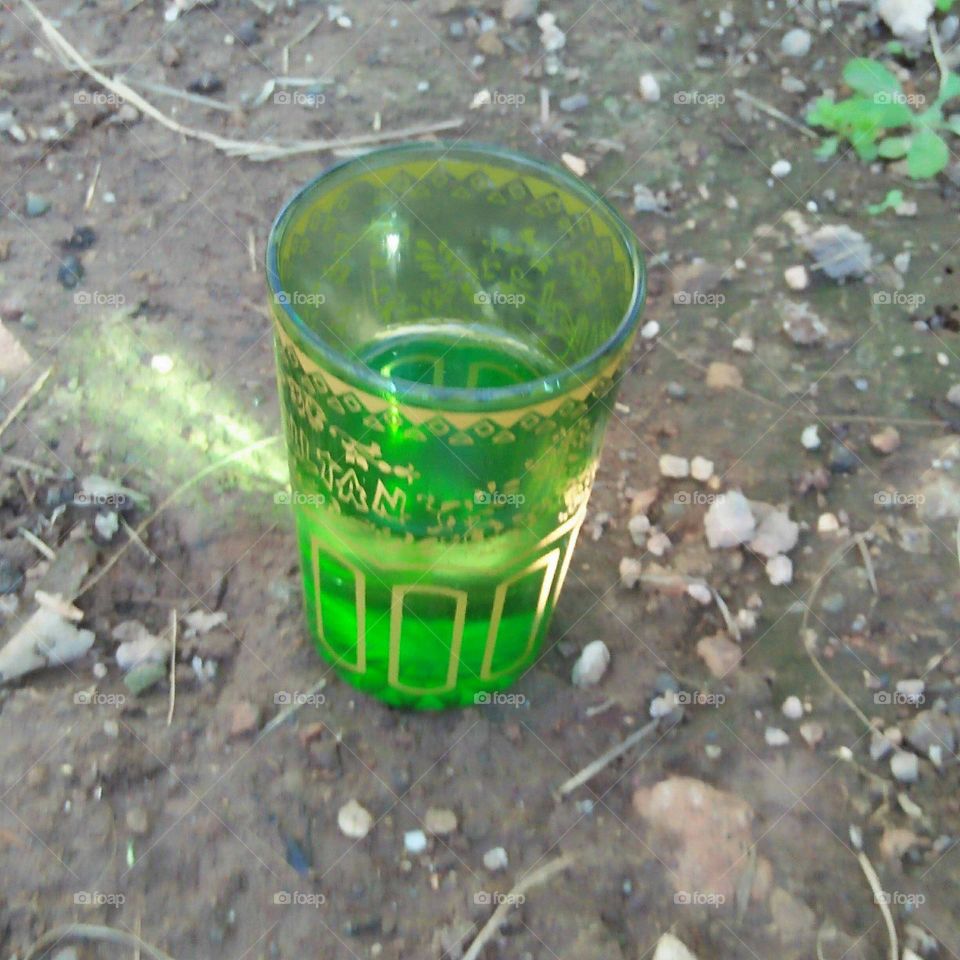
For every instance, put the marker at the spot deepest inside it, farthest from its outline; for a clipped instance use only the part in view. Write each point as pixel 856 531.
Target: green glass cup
pixel 452 322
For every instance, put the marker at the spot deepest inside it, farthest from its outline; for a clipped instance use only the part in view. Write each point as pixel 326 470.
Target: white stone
pixel 905 766
pixel 639 528
pixel 496 859
pixel 649 88
pixel 781 168
pixel 674 467
pixel 901 261
pixel 827 523
pixel 670 948
pixel 650 329
pixel 415 841
pixel 776 533
pixel 797 277
pixel 779 570
pixel 776 737
pixel 354 820
pixel 658 543
pixel 792 708
pixel 729 521
pixel 701 469
pixel 630 570
pixel 725 19
pixel 743 344
pixel 906 18
pixel 810 438
pixel 796 42
pixel 700 592
pixel 591 665
pixel 953 395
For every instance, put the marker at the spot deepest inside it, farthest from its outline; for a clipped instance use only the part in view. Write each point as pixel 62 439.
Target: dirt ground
pixel 217 835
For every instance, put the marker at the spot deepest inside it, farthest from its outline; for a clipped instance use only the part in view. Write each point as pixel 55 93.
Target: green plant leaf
pixel 893 148
pixel 927 156
pixel 944 5
pixel 893 199
pixel 951 87
pixel 869 77
pixel 828 148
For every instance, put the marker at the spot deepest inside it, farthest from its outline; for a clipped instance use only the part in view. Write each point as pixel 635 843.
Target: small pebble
pixel 953 395
pixel 649 88
pixel 700 592
pixel 248 33
pixel 496 859
pixel 812 733
pixel 676 391
pixel 743 344
pixel 842 458
pixel 82 238
pixel 639 528
pixel 415 841
pixel 792 708
pixel 797 277
pixel 905 767
pixel 70 272
pixel 354 820
pixel 674 467
pixel 630 570
pixel 781 168
pixel 658 543
pixel 205 84
pixel 725 19
pixel 701 469
pixel 885 441
pixel 776 737
pixel 827 523
pixel 591 665
pixel 713 751
pixel 244 719
pixel 779 569
pixel 796 42
pixel 650 329
pixel 440 821
pixel 575 102
pixel 810 438
pixel 36 206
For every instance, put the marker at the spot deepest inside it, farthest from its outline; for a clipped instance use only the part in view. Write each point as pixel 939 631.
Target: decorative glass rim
pixel 359 374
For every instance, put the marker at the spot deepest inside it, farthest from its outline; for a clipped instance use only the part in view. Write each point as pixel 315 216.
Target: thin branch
pixel 25 399
pixel 592 769
pixel 93 931
pixel 256 150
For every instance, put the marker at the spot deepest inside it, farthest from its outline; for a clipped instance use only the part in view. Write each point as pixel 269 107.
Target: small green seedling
pixel 890 202
pixel 878 107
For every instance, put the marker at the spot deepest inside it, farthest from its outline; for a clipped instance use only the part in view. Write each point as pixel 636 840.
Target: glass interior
pixel 455 269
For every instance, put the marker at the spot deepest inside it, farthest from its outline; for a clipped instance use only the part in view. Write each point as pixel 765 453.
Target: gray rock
pixel 576 101
pixel 842 458
pixel 930 728
pixel 839 251
pixel 905 767
pixel 36 206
